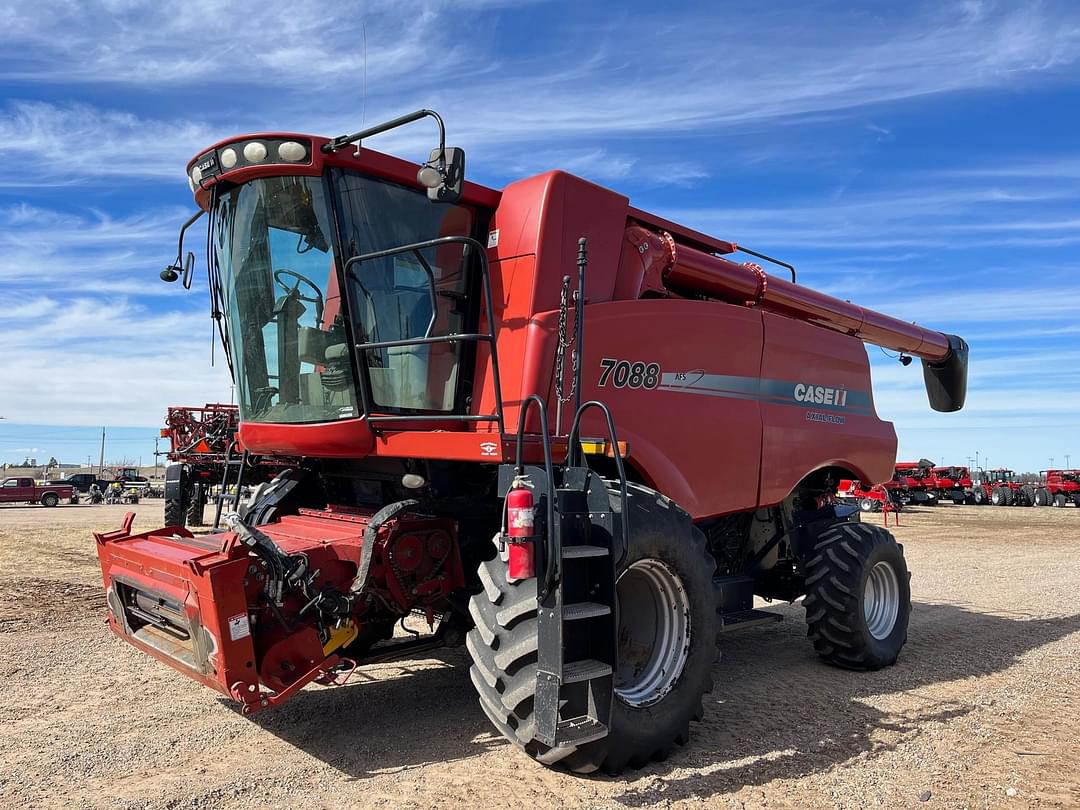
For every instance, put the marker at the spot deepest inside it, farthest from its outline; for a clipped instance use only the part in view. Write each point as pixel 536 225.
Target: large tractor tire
pixel 858 596
pixel 654 702
pixel 978 496
pixel 1043 497
pixel 1060 499
pixel 958 497
pixel 196 503
pixel 1002 496
pixel 1027 496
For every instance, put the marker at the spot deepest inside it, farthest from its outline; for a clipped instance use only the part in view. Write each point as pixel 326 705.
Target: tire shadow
pixel 779 713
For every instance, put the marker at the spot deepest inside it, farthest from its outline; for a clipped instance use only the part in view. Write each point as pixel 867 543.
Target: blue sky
pixel 918 158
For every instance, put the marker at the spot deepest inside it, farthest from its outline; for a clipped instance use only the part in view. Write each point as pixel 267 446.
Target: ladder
pixel 584 540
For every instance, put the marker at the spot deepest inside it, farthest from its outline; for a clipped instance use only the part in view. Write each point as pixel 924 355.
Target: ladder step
pixel 742 619
pixel 584 670
pixel 584 610
pixel 576 552
pixel 579 730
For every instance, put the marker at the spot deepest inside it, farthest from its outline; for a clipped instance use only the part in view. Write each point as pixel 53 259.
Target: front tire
pixel 858 596
pixel 503 646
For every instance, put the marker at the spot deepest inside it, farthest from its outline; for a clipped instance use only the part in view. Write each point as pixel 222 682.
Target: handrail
pixel 573 450
pixel 489 337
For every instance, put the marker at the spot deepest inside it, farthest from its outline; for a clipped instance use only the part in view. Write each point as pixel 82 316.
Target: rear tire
pixel 196 504
pixel 869 505
pixel 978 496
pixel 503 646
pixel 1042 497
pixel 1027 496
pixel 174 512
pixel 858 596
pixel 50 499
pixel 1060 499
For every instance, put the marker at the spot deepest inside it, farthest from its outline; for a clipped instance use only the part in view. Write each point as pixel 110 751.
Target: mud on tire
pixel 849 562
pixel 503 646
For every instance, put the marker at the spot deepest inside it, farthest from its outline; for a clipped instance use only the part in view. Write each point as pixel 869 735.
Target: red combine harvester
pixel 411 338
pixel 952 483
pixel 1058 488
pixel 202 451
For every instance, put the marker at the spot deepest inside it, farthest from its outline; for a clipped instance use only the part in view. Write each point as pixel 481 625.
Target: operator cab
pixel 344 282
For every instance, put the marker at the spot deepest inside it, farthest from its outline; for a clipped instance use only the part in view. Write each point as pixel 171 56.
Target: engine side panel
pixel 818 408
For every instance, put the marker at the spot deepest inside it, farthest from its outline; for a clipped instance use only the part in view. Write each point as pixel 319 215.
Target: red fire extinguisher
pixel 521 531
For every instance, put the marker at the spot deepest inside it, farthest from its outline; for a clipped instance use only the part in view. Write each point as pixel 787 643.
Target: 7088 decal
pixel 629 374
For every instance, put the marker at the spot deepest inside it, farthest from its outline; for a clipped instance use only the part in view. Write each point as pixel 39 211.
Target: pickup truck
pixel 24 490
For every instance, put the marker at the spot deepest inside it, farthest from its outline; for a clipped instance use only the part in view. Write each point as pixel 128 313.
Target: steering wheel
pixel 295 288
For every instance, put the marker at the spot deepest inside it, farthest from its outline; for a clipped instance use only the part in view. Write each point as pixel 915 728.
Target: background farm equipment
pixel 1001 487
pixel 913 483
pixel 206 461
pixel 1058 488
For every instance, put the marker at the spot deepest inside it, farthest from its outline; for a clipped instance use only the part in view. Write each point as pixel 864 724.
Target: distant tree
pixel 53 462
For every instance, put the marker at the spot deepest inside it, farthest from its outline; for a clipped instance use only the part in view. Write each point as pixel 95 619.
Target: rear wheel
pixel 1027 496
pixel 50 499
pixel 666 644
pixel 175 512
pixel 978 496
pixel 1060 499
pixel 196 503
pixel 1002 496
pixel 870 505
pixel 858 597
pixel 1042 497
pixel 958 497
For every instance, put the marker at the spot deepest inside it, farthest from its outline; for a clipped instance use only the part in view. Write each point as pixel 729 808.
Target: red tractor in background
pixel 1001 487
pixel 413 346
pixel 202 450
pixel 1058 488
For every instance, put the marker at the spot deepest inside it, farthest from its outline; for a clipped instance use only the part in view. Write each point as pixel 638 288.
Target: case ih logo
pixel 821 395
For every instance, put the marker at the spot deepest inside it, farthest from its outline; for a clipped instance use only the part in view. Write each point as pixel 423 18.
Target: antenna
pixel 363 99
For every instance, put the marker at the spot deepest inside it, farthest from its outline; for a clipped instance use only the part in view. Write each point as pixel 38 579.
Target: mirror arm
pixel 344 140
pixel 183 230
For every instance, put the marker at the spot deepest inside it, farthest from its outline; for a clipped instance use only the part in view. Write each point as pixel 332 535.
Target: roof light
pixel 291 150
pixel 255 152
pixel 228 157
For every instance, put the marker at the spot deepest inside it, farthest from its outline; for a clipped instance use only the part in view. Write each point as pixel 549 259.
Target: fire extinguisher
pixel 521 531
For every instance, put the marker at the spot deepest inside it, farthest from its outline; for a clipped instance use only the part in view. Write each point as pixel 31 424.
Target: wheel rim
pixel 654 632
pixel 881 600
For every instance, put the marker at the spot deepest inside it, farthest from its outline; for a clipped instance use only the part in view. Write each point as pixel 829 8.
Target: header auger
pixel 388 324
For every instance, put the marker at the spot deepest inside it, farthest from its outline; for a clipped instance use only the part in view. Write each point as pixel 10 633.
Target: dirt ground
pixel 982 710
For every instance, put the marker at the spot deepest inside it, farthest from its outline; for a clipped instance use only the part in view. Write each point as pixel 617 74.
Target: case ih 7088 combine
pixel 412 339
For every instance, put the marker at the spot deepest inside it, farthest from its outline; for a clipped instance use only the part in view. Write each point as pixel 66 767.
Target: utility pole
pixel 1051 462
pixel 1067 462
pixel 101 464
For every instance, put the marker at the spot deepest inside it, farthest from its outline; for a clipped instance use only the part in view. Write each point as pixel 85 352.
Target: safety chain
pixel 565 342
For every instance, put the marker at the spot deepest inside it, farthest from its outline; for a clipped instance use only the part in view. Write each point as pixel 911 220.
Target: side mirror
pixel 189 265
pixel 444 179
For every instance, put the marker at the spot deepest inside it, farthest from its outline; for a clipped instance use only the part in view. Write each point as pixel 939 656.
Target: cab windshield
pixel 271 243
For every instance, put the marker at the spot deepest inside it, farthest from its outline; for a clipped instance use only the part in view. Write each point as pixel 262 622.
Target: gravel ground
pixel 982 710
